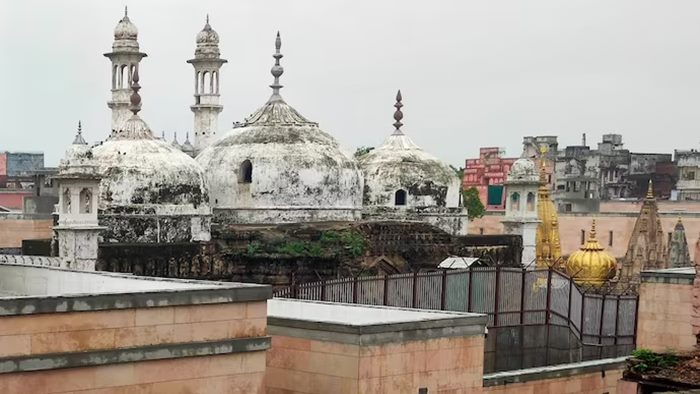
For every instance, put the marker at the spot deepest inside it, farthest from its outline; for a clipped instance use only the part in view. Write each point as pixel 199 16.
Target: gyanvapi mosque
pixel 276 166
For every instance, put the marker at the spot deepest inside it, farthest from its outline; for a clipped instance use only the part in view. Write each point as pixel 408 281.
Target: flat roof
pixel 352 314
pixel 27 289
pixel 681 276
pixel 367 324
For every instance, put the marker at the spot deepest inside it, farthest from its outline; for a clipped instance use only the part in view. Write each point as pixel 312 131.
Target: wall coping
pixel 46 362
pixel 422 327
pixel 553 372
pixel 678 276
pixel 206 292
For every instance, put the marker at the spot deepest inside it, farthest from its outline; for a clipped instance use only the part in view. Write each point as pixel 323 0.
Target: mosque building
pixel 275 167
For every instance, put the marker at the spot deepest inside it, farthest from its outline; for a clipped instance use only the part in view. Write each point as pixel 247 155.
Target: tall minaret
pixel 206 108
pixel 125 57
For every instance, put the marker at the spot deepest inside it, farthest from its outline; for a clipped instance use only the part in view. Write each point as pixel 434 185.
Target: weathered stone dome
pixel 400 173
pixel 591 265
pixel 277 166
pixel 523 170
pixel 207 42
pixel 150 191
pixel 207 35
pixel 125 35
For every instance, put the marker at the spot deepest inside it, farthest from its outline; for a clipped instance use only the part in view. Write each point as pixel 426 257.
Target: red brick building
pixel 488 175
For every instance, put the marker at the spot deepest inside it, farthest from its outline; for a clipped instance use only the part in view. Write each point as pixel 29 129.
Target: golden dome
pixel 591 264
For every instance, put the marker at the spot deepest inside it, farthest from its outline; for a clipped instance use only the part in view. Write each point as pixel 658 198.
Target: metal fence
pixel 508 296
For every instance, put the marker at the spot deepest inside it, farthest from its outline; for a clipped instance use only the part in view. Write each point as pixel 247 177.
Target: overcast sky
pixel 472 73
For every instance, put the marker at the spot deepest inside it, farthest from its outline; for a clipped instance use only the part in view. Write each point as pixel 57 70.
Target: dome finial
pixel 592 235
pixel 80 131
pixel 207 19
pixel 398 115
pixel 277 70
pixel 135 97
pixel 126 12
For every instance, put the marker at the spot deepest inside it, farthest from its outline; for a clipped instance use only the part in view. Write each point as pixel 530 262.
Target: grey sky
pixel 472 73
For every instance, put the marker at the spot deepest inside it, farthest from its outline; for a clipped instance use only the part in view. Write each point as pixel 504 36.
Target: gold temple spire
pixel 548 245
pixel 650 190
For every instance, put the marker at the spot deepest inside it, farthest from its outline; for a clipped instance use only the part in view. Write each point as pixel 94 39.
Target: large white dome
pixel 278 166
pixel 150 191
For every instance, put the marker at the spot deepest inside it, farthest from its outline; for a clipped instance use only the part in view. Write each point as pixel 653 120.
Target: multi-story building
pixel 688 185
pixel 585 176
pixel 488 174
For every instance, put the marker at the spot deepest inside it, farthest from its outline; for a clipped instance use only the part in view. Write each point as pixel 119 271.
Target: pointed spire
pixel 175 137
pixel 126 12
pixel 277 70
pixel 543 165
pixel 187 137
pixel 398 115
pixel 650 191
pixel 135 98
pixel 79 140
pixel 207 19
pixel 162 135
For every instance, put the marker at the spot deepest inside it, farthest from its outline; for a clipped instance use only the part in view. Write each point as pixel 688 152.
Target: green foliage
pixel 363 150
pixel 646 360
pixel 253 247
pixel 331 243
pixel 475 208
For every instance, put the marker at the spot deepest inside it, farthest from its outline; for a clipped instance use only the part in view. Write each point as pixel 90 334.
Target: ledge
pixel 424 325
pixel 46 362
pixel 553 372
pixel 677 276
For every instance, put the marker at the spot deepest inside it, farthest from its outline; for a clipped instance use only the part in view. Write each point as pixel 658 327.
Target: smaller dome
pixel 187 146
pixel 125 30
pixel 207 35
pixel 523 170
pixel 591 265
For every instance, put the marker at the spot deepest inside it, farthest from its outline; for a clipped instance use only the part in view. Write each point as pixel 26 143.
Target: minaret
pixel 207 63
pixel 78 181
pixel 125 58
pixel 521 207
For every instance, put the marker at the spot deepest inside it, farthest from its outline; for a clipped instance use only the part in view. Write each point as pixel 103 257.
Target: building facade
pixel 688 186
pixel 488 175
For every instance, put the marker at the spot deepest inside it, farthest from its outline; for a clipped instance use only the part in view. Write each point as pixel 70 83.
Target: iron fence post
pixel 469 291
pixel 323 290
pixel 443 288
pixel 385 299
pixel 354 289
pixel 522 295
pixel 496 296
pixel 602 317
pixel 617 319
pixel 415 289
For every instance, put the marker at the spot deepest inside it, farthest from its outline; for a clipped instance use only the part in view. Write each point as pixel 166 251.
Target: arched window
pixel 531 201
pixel 400 197
pixel 206 82
pixel 245 173
pixel 85 201
pixel 123 77
pixel 66 201
pixel 515 201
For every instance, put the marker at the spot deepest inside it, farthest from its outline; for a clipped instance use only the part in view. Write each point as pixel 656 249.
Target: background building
pixel 688 186
pixel 488 174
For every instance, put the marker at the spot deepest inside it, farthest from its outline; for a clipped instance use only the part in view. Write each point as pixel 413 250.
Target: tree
pixel 363 150
pixel 475 208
